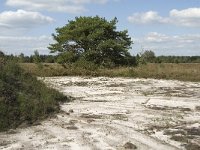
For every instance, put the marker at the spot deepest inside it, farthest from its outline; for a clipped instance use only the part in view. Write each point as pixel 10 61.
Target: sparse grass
pixel 129 145
pixel 197 108
pixel 192 146
pixel 72 127
pixel 55 69
pixel 183 72
pixel 185 136
pixel 179 138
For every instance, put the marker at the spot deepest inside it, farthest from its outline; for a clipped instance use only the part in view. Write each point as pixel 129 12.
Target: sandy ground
pixel 116 113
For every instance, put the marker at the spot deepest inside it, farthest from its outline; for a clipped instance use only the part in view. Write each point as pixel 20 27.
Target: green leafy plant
pixel 24 99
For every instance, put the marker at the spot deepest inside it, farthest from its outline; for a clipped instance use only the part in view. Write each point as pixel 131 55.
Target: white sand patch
pixel 109 112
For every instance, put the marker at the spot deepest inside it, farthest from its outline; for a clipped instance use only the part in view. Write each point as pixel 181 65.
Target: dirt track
pixel 116 113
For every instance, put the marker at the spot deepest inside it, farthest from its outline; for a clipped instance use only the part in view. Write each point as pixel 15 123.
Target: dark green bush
pixel 23 98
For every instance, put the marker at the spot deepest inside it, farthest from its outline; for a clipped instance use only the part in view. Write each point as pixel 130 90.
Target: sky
pixel 167 27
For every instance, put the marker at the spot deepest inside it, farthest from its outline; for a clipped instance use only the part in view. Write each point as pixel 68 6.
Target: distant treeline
pixel 156 59
pixel 32 59
pixel 177 59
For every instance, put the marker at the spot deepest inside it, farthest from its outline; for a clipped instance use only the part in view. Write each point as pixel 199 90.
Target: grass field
pixel 183 72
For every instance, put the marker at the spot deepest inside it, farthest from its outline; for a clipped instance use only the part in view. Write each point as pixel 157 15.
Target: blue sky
pixel 170 27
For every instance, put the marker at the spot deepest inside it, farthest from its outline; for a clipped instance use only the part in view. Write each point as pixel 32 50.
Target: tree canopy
pixel 94 39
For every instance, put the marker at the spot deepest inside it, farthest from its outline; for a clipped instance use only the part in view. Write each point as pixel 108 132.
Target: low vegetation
pixel 24 99
pixel 142 57
pixel 182 71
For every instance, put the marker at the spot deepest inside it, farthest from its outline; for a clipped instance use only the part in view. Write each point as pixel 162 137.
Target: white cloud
pixel 69 6
pixel 25 44
pixel 157 37
pixel 146 18
pixel 23 19
pixel 188 17
pixel 87 1
pixel 20 21
pixel 164 44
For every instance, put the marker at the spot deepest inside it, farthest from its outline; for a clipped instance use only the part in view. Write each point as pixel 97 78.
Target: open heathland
pixel 182 71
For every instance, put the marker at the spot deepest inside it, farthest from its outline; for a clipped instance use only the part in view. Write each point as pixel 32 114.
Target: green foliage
pixel 130 60
pixel 36 57
pixel 178 59
pixel 86 65
pixel 67 57
pixel 147 57
pixel 1 54
pixel 93 38
pixel 23 98
pixel 21 58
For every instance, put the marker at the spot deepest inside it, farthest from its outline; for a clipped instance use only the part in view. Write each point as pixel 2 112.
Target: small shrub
pixel 23 98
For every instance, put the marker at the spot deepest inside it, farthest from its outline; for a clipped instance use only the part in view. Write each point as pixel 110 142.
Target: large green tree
pixel 94 39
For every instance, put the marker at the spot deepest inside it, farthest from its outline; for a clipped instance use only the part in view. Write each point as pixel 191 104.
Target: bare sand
pixel 116 114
